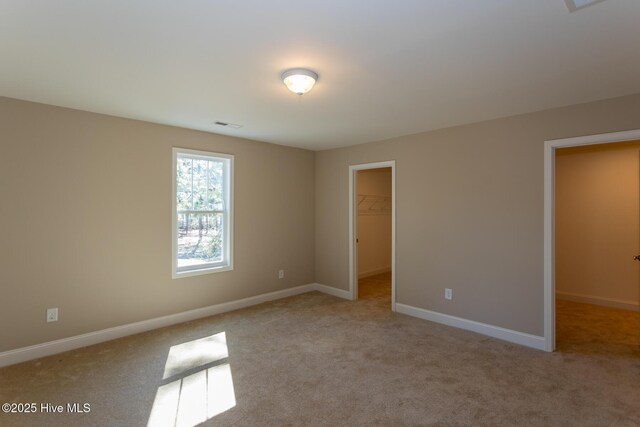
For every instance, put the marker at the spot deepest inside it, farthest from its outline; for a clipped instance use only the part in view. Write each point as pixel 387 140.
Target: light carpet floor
pixel 318 360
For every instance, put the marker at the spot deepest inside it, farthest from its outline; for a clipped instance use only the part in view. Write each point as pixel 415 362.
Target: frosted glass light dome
pixel 299 80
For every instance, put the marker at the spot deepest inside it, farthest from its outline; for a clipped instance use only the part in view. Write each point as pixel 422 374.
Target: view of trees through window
pixel 200 210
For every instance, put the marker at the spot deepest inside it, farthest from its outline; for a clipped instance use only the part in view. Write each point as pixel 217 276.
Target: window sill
pixel 201 271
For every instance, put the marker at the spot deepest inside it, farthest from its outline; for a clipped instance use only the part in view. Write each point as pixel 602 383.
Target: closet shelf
pixel 371 204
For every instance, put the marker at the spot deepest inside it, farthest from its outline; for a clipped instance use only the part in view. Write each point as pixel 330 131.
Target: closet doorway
pixel 597 236
pixel 372 231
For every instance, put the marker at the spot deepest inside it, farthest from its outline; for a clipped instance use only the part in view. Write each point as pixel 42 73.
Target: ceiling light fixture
pixel 299 80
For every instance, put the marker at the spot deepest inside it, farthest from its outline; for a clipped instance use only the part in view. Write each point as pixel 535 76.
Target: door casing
pixel 550 147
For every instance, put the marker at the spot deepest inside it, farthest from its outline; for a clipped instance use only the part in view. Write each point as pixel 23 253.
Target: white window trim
pixel 228 229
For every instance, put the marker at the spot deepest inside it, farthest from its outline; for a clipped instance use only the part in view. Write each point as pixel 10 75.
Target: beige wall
pixel 85 217
pixel 374 225
pixel 85 221
pixel 469 211
pixel 597 223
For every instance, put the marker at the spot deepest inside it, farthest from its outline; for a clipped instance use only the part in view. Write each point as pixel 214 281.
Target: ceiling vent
pixel 228 125
pixel 574 5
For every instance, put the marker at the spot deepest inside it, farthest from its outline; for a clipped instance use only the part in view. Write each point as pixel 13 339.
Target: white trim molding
pixel 504 334
pixel 53 347
pixel 353 248
pixel 329 290
pixel 37 351
pixel 549 222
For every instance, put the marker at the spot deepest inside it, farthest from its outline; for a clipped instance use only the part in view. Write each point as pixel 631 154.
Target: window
pixel 202 212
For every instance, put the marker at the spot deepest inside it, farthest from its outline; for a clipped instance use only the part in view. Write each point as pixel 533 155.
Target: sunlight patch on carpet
pixel 197 396
pixel 192 354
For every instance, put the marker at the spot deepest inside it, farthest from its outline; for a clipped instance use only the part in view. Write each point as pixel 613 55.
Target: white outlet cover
pixel 448 293
pixel 281 274
pixel 52 315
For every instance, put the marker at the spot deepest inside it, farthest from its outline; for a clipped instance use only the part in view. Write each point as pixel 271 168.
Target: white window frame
pixel 227 258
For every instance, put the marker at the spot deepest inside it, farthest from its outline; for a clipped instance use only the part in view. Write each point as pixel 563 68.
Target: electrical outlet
pixel 280 274
pixel 52 315
pixel 448 293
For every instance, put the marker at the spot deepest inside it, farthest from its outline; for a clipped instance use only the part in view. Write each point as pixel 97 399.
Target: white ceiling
pixel 387 68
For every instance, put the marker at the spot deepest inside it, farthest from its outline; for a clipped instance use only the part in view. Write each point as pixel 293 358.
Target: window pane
pixel 200 184
pixel 215 186
pixel 184 172
pixel 199 239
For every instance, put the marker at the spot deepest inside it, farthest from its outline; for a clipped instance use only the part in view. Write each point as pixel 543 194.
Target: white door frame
pixel 353 212
pixel 549 219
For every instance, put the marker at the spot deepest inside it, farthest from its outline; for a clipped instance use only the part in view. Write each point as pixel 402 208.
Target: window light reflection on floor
pixel 199 384
pixel 196 353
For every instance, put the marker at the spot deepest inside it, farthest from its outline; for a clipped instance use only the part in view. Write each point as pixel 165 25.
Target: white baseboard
pixel 374 272
pixel 606 302
pixel 53 347
pixel 516 337
pixel 24 354
pixel 332 291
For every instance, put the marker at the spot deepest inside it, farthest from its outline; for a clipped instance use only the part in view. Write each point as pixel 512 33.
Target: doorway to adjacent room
pixel 372 232
pixel 597 236
pixel 593 248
